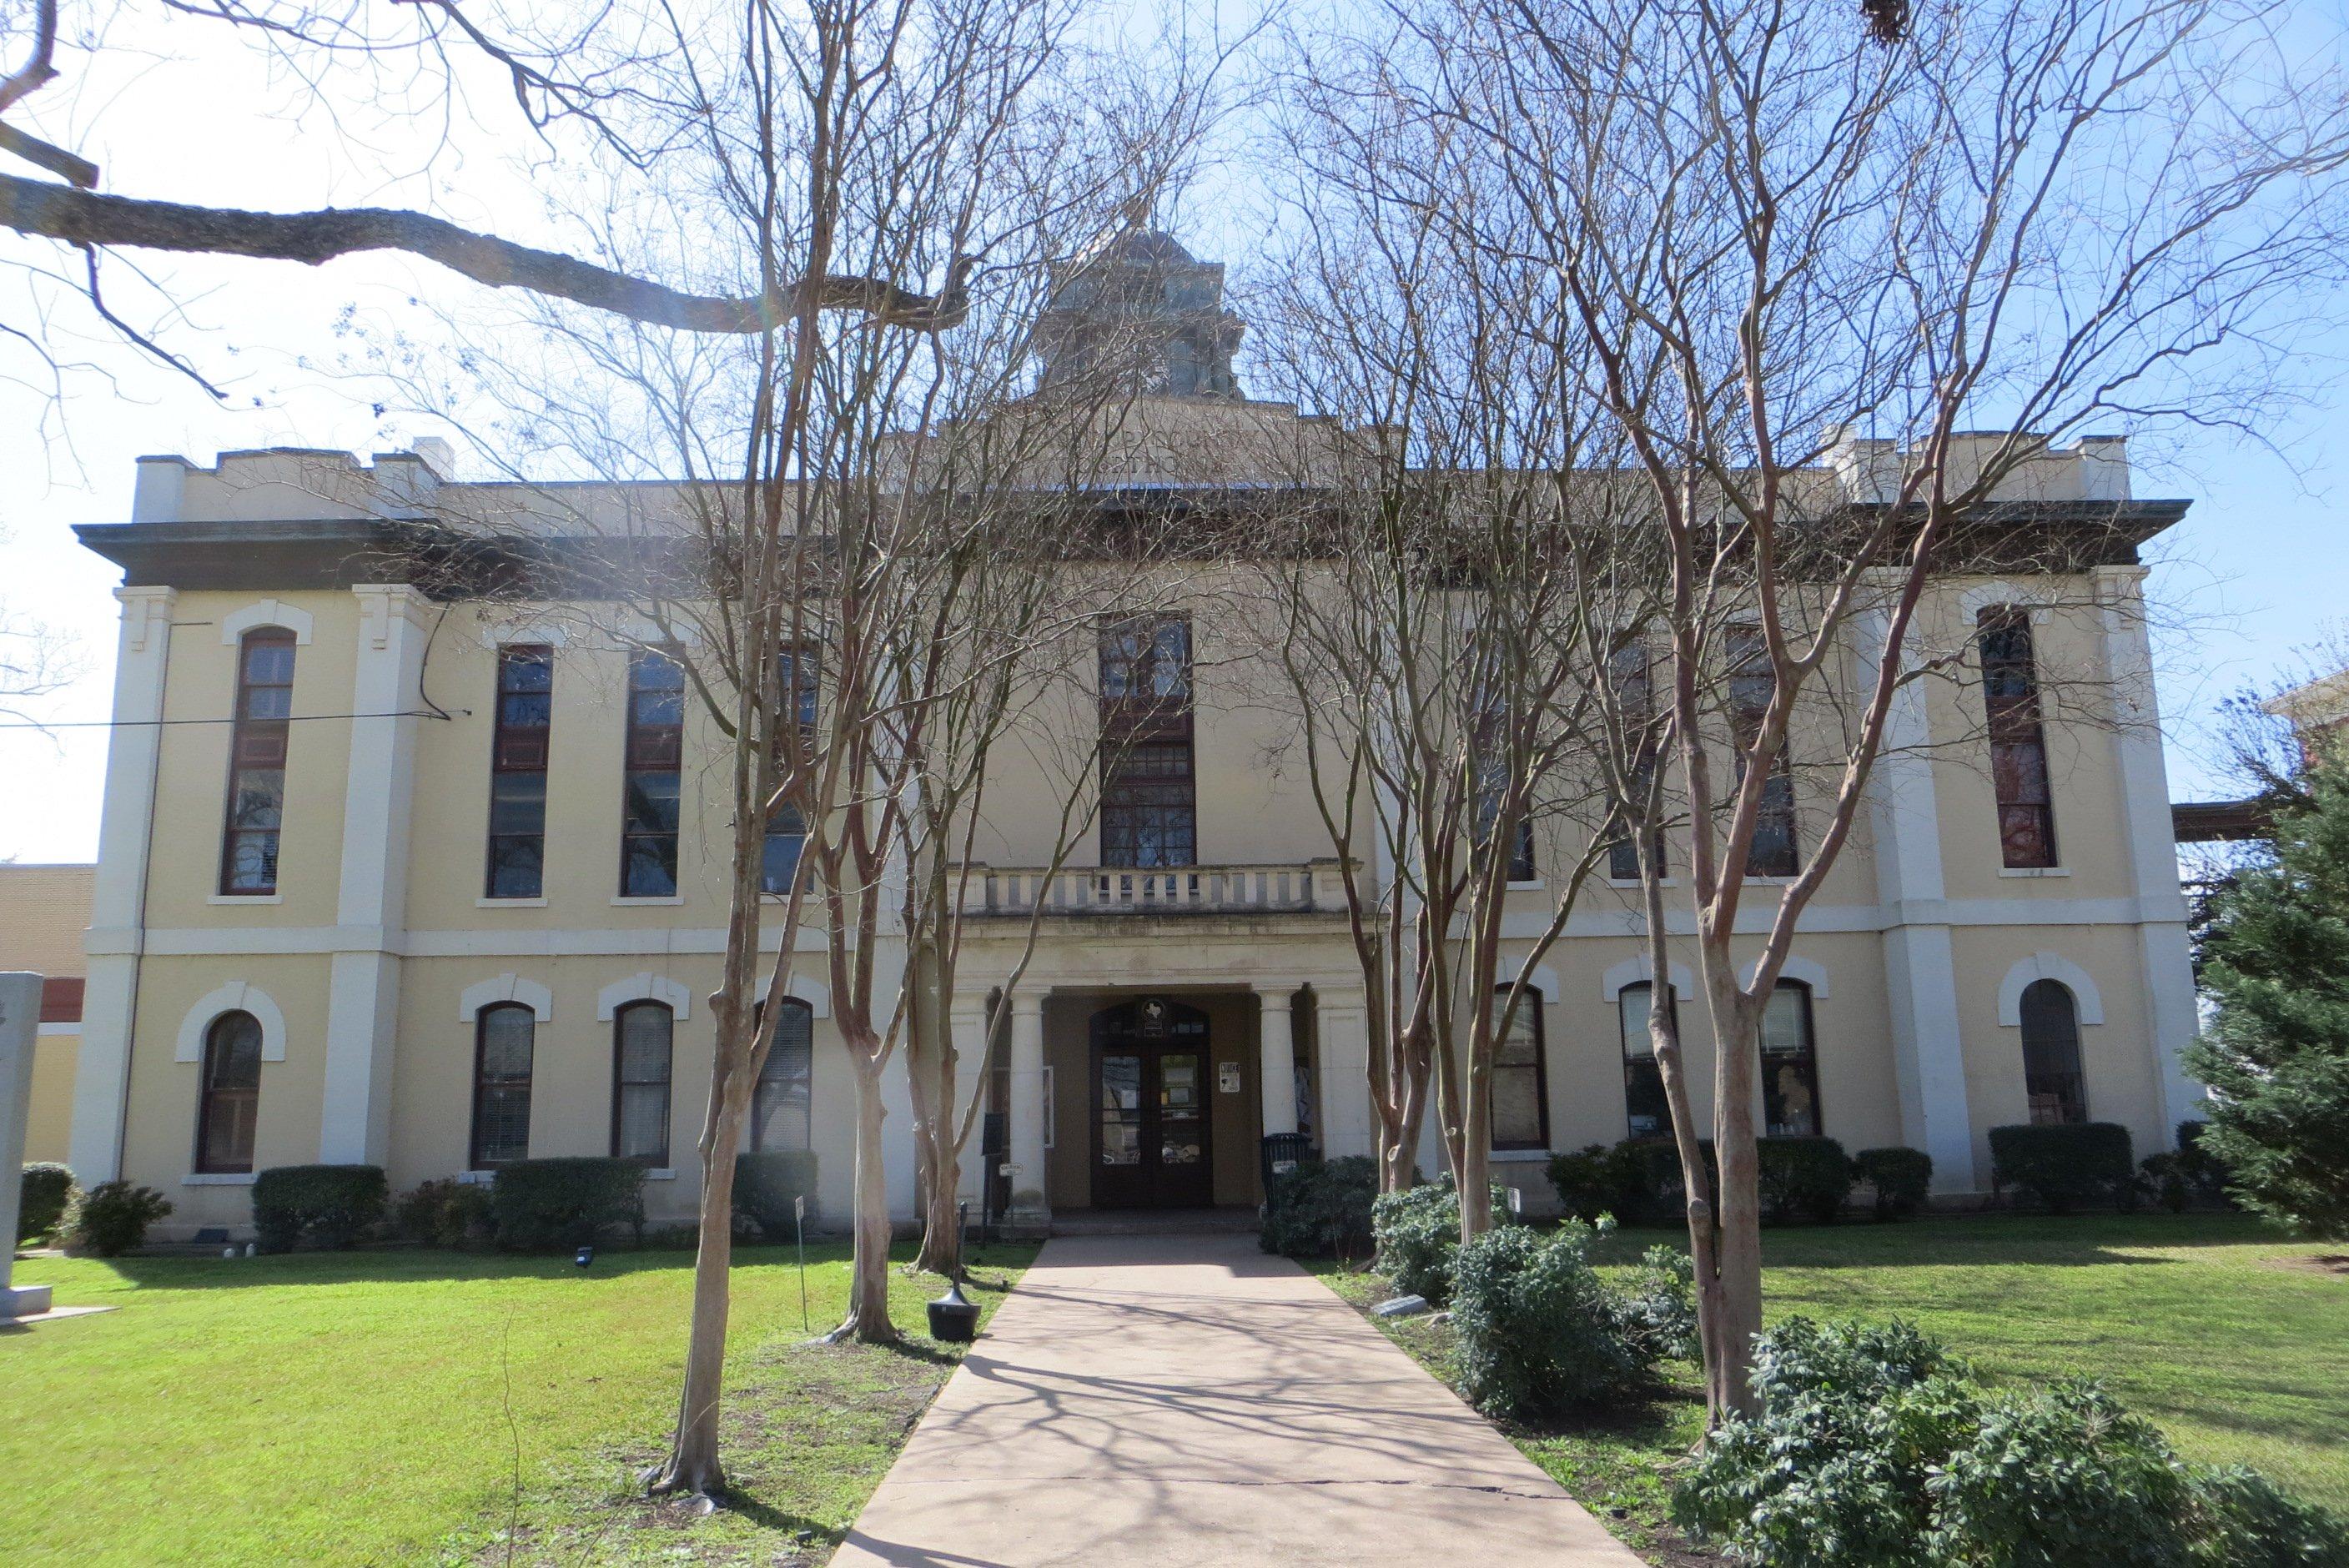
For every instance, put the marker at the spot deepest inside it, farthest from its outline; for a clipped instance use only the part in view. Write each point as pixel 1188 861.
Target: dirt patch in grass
pixel 2321 1264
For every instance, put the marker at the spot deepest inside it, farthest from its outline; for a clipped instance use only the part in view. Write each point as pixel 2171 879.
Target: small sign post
pixel 799 1217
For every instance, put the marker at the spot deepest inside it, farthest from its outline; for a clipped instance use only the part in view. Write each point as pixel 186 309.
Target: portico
pixel 1152 1047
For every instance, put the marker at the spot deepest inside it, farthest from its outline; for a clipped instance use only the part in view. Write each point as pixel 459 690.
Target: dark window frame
pixel 2018 739
pixel 1631 1063
pixel 1809 1060
pixel 519 752
pixel 2068 1085
pixel 1529 1005
pixel 1777 848
pixel 257 749
pixel 653 760
pixel 621 1083
pixel 483 1084
pixel 1149 764
pixel 212 1097
pixel 771 1080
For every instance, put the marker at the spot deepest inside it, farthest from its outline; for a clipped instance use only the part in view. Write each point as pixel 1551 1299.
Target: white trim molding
pixel 1635 972
pixel 1809 971
pixel 645 987
pixel 1544 980
pixel 2001 592
pixel 507 987
pixel 267 612
pixel 2048 966
pixel 237 996
pixel 805 988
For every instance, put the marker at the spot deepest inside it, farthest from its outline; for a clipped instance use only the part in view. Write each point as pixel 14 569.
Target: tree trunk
pixel 868 1293
pixel 1476 1172
pixel 693 1463
pixel 1729 1376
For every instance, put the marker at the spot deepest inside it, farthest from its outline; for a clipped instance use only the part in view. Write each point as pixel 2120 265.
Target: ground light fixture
pixel 584 1256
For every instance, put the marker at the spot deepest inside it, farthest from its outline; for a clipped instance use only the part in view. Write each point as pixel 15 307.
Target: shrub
pixel 2243 1522
pixel 1321 1208
pixel 765 1184
pixel 446 1214
pixel 1598 1180
pixel 1648 1180
pixel 1899 1177
pixel 327 1204
pixel 2066 1166
pixel 1418 1230
pixel 112 1217
pixel 1802 1177
pixel 1873 1450
pixel 2162 1177
pixel 2206 1177
pixel 1659 1305
pixel 42 1195
pixel 1538 1331
pixel 566 1202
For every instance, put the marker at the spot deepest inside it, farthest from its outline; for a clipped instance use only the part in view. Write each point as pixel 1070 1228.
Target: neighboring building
pixel 430 936
pixel 44 914
pixel 2318 710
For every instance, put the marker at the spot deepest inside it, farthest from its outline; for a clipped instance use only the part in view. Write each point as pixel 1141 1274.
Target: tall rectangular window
pixel 525 717
pixel 2018 747
pixel 1647 1113
pixel 256 762
pixel 505 1039
pixel 782 1106
pixel 1753 682
pixel 1632 676
pixel 1790 1063
pixel 786 830
pixel 1520 1101
pixel 1149 804
pixel 655 755
pixel 642 1038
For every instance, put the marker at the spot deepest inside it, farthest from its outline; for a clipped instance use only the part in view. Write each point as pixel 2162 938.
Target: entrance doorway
pixel 1149 1071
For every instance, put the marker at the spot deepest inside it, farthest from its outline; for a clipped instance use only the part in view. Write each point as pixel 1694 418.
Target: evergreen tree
pixel 2276 1056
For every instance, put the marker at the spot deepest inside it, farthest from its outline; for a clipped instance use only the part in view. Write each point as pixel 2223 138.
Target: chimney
pixel 2104 467
pixel 437 455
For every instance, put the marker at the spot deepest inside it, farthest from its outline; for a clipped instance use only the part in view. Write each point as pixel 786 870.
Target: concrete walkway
pixel 1187 1399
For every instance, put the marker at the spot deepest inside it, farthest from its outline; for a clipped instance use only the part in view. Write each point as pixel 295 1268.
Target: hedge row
pixel 1639 1181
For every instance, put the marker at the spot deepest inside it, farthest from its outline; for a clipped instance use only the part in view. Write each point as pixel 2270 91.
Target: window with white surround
pixel 256 765
pixel 228 1103
pixel 1646 1113
pixel 504 1043
pixel 1790 1063
pixel 643 1054
pixel 2018 745
pixel 1519 1083
pixel 655 755
pixel 518 756
pixel 2052 1078
pixel 782 1106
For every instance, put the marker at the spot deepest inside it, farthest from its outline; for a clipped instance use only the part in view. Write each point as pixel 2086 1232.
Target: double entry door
pixel 1150 1072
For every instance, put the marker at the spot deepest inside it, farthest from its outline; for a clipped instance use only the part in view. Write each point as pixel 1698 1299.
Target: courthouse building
pixel 376 883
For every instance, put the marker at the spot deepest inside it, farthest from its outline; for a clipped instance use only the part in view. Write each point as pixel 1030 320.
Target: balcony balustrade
pixel 1313 887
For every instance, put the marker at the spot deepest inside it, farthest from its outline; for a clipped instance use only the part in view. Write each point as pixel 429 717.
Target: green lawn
pixel 2234 1339
pixel 396 1406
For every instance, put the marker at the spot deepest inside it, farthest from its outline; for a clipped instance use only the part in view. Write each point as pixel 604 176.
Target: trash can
pixel 1283 1151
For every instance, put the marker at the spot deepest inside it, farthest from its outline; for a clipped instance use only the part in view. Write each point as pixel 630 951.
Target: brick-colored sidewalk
pixel 1187 1399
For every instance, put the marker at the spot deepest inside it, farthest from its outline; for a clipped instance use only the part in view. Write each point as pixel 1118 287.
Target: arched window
pixel 256 762
pixel 229 1101
pixel 780 1108
pixel 1520 1106
pixel 2051 1054
pixel 642 1035
pixel 1645 1110
pixel 504 1038
pixel 1790 1063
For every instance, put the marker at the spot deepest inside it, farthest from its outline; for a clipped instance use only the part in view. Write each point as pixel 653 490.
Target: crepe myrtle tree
pixel 840 494
pixel 1427 608
pixel 1782 227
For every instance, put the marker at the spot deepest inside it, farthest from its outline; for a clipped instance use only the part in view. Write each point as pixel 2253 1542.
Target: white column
pixel 20 1021
pixel 1029 1204
pixel 1277 1060
pixel 1344 1061
pixel 1919 959
pixel 2162 943
pixel 969 1023
pixel 118 894
pixel 362 996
